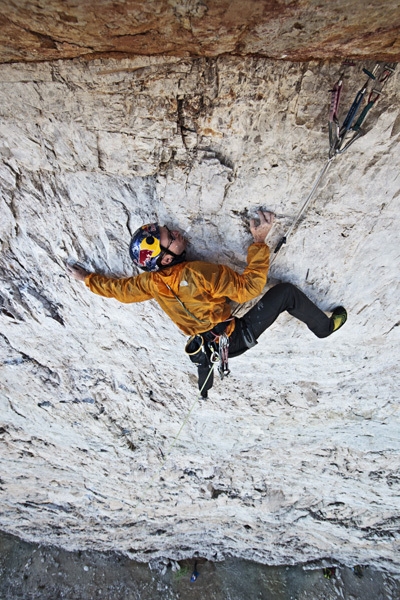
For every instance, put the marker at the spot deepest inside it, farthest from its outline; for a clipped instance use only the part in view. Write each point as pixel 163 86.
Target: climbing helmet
pixel 146 250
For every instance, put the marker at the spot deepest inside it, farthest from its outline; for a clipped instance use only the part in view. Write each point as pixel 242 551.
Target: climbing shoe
pixel 338 318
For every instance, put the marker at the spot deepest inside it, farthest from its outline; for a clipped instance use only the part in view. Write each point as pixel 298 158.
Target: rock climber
pixel 195 294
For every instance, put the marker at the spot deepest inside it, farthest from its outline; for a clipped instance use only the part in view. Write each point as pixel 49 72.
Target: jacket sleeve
pixel 130 289
pixel 224 281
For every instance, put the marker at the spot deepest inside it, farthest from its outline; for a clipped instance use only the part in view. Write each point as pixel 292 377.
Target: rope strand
pixel 302 210
pixel 212 367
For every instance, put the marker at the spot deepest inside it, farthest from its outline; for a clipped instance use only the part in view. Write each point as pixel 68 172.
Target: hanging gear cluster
pixel 341 137
pixel 339 140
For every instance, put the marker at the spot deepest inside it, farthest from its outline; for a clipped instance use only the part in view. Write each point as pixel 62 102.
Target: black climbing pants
pixel 280 298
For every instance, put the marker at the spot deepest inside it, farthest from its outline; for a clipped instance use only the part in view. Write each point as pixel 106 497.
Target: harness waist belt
pixel 216 331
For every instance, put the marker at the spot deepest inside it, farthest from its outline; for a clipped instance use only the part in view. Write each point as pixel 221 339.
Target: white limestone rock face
pixel 296 456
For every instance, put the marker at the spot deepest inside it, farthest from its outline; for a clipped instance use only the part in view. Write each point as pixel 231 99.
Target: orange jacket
pixel 202 287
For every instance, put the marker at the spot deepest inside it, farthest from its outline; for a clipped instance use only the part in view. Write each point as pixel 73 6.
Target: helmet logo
pixel 144 256
pixel 149 247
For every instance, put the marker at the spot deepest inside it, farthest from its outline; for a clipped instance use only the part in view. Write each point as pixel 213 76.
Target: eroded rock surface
pixel 296 456
pixel 298 30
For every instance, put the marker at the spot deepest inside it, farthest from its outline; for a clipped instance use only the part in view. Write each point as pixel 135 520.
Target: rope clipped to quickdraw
pixel 339 140
pixel 337 134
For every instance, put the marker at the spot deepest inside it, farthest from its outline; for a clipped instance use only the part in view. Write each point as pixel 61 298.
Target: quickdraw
pixel 338 133
pixel 223 367
pixel 337 138
pixel 335 100
pixel 333 119
pixel 374 95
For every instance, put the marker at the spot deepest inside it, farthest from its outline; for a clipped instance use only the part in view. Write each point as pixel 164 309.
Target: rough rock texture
pixel 296 30
pixel 296 456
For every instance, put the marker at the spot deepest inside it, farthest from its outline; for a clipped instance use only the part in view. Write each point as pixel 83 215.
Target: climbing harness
pixel 338 134
pixel 203 355
pixel 205 350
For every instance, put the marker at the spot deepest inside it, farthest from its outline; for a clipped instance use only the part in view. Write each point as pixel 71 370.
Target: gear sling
pixel 206 349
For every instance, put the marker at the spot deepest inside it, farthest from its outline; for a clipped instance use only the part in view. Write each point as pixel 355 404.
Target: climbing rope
pixel 214 362
pixel 168 452
pixel 302 210
pixel 338 133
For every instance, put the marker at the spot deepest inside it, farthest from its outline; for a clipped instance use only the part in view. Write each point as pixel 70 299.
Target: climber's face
pixel 174 242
